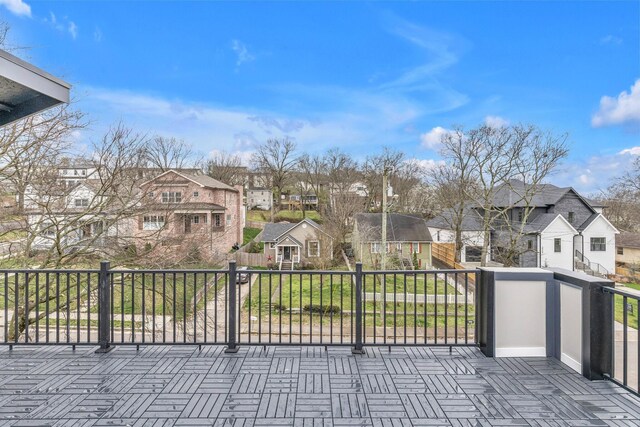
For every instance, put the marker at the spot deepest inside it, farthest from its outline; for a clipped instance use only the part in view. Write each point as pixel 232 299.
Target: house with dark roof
pixel 628 249
pixel 408 240
pixel 563 229
pixel 290 245
pixel 190 212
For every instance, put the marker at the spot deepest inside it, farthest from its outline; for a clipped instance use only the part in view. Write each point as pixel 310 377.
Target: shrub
pixel 322 309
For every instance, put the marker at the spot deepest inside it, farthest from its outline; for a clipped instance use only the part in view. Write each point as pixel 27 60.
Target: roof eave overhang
pixel 27 89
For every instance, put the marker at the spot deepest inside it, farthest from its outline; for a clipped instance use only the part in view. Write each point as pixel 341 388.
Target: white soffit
pixel 26 89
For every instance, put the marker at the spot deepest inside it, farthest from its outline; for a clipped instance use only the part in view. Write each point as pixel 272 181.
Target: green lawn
pixel 12 235
pixel 313 295
pixel 635 286
pixel 249 234
pixel 632 318
pixel 132 294
pixel 284 215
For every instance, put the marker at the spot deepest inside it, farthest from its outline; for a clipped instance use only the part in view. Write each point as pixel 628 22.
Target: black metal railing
pixel 108 306
pixel 625 349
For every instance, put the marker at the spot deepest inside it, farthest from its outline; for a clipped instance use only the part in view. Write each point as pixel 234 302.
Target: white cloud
pixel 427 164
pixel 73 29
pixel 634 151
pixel 17 7
pixel 242 53
pixel 624 109
pixel 361 127
pixel 610 39
pixel 496 121
pixel 97 35
pixel 433 138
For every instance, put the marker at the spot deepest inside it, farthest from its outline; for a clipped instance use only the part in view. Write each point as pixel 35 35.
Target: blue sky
pixel 357 75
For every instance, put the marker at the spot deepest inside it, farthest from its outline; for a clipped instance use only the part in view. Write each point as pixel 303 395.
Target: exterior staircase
pixel 583 264
pixel 286 265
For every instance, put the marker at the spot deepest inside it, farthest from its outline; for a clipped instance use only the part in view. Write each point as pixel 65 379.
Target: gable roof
pixel 628 240
pixel 400 227
pixel 471 220
pixel 543 221
pixel 273 230
pixel 512 194
pixel 593 218
pixel 201 180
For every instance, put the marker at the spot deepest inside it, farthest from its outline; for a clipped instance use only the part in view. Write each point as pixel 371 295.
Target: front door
pixel 287 253
pixel 187 224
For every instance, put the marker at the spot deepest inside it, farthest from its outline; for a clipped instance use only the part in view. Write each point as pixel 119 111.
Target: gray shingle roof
pixel 588 221
pixel 207 181
pixel 400 227
pixel 471 221
pixel 540 222
pixel 273 230
pixel 628 240
pixel 512 194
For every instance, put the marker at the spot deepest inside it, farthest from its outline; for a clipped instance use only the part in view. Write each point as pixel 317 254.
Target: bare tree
pixel 373 169
pixel 169 153
pixel 454 184
pixel 344 203
pixel 515 159
pixel 226 167
pixel 276 158
pixel 313 174
pixel 29 144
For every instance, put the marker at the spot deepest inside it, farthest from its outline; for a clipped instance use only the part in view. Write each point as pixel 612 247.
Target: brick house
pixel 184 212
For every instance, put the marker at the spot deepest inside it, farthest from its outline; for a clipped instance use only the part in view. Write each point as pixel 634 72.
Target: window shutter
pixel 140 222
pixel 419 248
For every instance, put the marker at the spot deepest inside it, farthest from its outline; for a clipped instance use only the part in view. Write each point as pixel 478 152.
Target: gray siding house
pixel 290 245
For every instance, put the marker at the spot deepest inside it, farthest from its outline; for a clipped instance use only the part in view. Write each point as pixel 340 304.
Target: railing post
pixel 104 308
pixel 358 347
pixel 232 346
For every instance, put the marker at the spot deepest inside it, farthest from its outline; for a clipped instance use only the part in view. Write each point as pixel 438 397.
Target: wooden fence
pixel 446 253
pixel 252 260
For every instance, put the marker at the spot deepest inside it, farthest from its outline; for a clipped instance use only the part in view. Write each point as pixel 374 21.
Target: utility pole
pixel 383 263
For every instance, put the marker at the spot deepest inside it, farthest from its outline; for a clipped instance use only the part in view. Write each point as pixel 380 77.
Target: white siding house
pixel 556 243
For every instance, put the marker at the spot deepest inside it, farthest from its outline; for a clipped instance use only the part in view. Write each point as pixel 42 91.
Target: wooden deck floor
pixel 180 385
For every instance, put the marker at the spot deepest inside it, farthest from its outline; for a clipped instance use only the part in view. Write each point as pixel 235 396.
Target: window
pixel 217 220
pixel 195 219
pixel 375 248
pixel 473 253
pixel 81 203
pixel 196 194
pixel 272 245
pixel 84 172
pixel 557 245
pixel 571 217
pixel 620 250
pixel 313 248
pixel 529 244
pixel 75 172
pixel 152 222
pixel 151 194
pixel 598 244
pixel 520 215
pixel 228 220
pixel 415 248
pixel 438 235
pixel 204 218
pixel 172 197
pixel 399 248
pixel 64 171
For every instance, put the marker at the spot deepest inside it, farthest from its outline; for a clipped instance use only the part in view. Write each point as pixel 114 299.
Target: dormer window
pixel 571 217
pixel 520 215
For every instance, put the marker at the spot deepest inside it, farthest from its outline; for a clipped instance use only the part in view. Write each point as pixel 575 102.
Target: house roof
pixel 273 230
pixel 542 221
pixel 628 240
pixel 291 239
pixel 588 221
pixel 202 180
pixel 400 227
pixel 471 220
pixel 515 194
